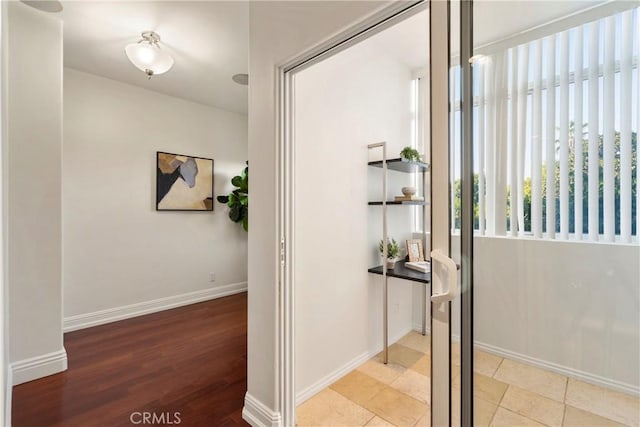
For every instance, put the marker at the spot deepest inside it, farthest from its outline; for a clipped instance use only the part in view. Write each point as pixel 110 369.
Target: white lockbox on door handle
pixel 452 276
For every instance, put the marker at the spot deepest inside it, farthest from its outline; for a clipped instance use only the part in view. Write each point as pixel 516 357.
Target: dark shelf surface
pixel 402 165
pixel 401 272
pixel 406 202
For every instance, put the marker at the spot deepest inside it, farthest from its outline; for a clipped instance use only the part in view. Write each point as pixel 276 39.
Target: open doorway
pixel 505 381
pixel 374 91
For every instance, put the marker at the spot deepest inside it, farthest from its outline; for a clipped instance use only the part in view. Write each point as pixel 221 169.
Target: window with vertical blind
pixel 556 123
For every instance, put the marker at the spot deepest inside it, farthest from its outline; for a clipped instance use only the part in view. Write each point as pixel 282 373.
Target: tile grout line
pixel 375 414
pixel 498 368
pixel 494 415
pixel 564 400
pixel 387 386
pixel 503 395
pixel 350 400
pixel 369 420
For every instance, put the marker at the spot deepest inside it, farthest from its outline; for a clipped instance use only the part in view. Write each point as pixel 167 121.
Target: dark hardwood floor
pixel 191 360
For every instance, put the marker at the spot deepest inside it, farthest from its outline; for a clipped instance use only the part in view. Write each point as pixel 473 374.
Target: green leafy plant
pixel 410 154
pixel 393 250
pixel 238 199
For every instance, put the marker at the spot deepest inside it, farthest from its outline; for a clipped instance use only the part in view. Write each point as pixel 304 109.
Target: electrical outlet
pixel 212 277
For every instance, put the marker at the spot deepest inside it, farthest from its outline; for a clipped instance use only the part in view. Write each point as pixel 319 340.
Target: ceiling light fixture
pixel 241 79
pixel 147 56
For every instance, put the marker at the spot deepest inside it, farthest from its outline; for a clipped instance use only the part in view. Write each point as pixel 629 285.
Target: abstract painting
pixel 184 183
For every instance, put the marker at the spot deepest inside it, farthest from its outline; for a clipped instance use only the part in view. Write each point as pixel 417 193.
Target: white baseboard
pixel 560 369
pixel 258 414
pixel 101 317
pixel 38 367
pixel 334 376
pixel 553 367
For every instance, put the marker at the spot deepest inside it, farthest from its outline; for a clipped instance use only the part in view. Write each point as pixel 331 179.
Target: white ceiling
pixel 494 20
pixel 209 41
pixel 407 41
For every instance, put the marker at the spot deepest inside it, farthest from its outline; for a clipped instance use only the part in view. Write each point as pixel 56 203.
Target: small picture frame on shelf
pixel 414 250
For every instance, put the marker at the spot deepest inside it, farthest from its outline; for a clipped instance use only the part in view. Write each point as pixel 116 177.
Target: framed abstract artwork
pixel 183 183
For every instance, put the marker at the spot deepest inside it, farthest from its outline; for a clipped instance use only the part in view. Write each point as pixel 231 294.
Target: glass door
pixel 543 123
pixel 461 211
pixel 445 250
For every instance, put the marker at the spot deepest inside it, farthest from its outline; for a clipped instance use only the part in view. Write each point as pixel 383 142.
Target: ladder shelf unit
pixel 399 271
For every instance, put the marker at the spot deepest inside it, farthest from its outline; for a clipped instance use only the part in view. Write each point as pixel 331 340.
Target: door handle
pixel 452 277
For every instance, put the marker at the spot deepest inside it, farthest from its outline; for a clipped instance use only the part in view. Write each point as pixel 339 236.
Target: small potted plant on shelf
pixel 393 250
pixel 410 154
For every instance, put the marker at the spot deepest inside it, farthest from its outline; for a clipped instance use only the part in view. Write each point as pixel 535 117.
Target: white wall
pixel 357 97
pixel 572 306
pixel 278 31
pixel 117 249
pixel 34 187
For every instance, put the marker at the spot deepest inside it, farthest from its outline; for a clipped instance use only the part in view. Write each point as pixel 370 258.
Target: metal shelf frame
pixel 406 166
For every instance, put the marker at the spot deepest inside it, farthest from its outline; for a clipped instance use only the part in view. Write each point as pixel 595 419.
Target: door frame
pixel 466 213
pixel 285 399
pixel 440 189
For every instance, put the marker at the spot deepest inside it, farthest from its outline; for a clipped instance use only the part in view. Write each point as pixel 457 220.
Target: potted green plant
pixel 393 250
pixel 238 199
pixel 410 154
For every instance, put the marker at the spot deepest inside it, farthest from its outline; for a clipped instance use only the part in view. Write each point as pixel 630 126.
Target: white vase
pixel 391 263
pixel 408 191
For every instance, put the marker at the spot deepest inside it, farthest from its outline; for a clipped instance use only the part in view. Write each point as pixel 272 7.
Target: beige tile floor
pixel 507 393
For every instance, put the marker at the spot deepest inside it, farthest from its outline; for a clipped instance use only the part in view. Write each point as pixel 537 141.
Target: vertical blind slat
pixel 490 141
pixel 577 133
pixel 564 135
pixel 523 85
pixel 550 161
pixel 513 142
pixel 625 127
pixel 608 131
pixel 500 207
pixel 452 127
pixel 593 154
pixel 536 130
